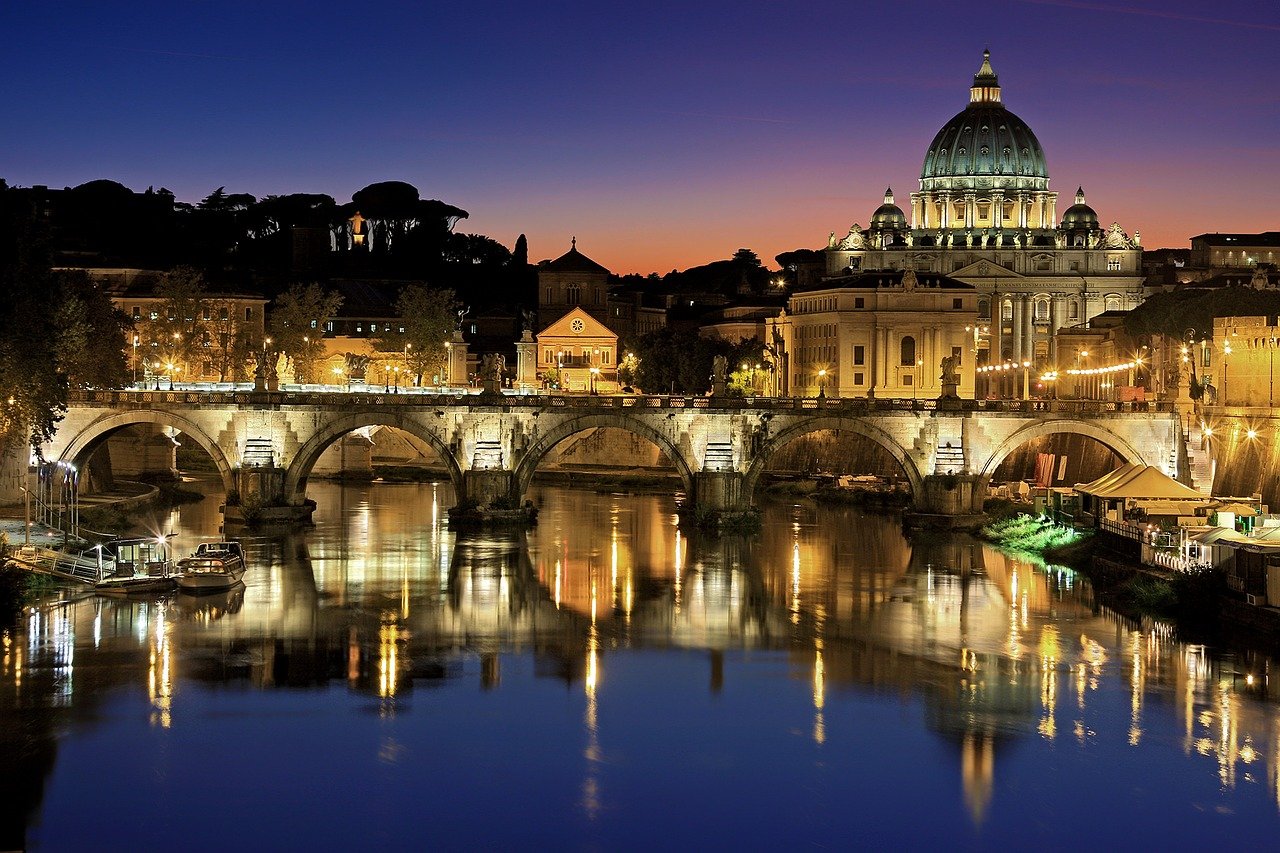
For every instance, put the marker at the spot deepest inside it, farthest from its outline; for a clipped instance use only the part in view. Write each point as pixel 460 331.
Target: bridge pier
pixel 260 499
pixel 489 498
pixel 719 500
pixel 949 501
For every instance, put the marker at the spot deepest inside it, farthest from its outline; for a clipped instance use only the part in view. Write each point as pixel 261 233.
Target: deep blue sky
pixel 661 134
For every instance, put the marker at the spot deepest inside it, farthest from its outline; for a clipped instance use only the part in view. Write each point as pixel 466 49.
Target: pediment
pixel 577 323
pixel 984 270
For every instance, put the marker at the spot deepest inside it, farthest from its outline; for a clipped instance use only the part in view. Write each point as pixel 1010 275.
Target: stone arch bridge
pixel 266 444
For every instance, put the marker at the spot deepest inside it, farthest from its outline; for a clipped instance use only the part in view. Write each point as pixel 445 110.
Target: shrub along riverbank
pixel 1189 599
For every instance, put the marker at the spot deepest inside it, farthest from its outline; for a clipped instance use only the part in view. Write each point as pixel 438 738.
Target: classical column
pixel 1028 328
pixel 970 210
pixel 944 220
pixel 1022 210
pixel 1017 325
pixel 995 352
pixel 1057 308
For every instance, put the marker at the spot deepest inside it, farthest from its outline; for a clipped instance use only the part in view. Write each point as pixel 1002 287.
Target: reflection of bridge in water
pixel 993 647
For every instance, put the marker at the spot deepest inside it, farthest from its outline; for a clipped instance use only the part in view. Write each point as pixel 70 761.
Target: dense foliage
pixel 680 361
pixel 1172 313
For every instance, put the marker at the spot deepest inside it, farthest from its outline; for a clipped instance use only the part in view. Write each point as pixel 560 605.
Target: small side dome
pixel 1080 215
pixel 888 215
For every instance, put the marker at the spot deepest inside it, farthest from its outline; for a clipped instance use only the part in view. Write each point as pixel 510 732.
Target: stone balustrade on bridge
pixel 265 445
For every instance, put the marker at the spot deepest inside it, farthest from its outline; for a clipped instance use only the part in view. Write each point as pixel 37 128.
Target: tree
pixel 57 331
pixel 91 333
pixel 177 337
pixel 231 344
pixel 671 360
pixel 428 318
pixel 298 318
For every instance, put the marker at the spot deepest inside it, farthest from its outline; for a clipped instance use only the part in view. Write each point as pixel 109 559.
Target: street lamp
pixel 1226 351
pixel 595 373
pixel 822 382
pixel 408 372
pixel 135 359
pixel 396 371
pixel 916 384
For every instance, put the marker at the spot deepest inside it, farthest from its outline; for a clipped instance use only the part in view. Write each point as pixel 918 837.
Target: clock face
pixel 576 325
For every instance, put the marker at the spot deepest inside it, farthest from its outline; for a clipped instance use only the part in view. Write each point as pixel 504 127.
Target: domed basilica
pixel 984 216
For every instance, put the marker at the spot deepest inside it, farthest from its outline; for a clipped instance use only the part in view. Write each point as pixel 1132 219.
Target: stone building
pixel 581 350
pixel 875 334
pixel 984 216
pixel 1215 251
pixel 1240 361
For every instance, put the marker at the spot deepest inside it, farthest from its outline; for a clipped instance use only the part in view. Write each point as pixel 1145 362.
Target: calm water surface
pixel 606 681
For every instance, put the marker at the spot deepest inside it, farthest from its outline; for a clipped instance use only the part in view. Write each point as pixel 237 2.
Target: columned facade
pixel 984 215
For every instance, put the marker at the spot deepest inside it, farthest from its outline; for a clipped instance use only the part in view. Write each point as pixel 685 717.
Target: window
pixel 1113 264
pixel 984 309
pixel 859 355
pixel 1074 266
pixel 315 323
pixel 908 379
pixel 1006 311
pixel 604 356
pixel 1073 310
pixel 546 355
pixel 957 304
pixel 1043 264
pixel 859 302
pixel 373 328
pixel 858 378
pixel 1112 303
pixel 137 313
pixel 223 313
pixel 907 351
pixel 207 315
pixel 1206 356
pixel 328 327
pixel 248 314
pixel 572 293
pixel 956 354
pixel 1042 310
pixel 154 315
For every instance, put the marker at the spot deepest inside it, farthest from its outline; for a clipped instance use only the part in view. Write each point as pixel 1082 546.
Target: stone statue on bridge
pixel 950 367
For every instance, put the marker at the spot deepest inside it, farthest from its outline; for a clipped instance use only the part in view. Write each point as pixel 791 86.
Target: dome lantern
pixel 986 85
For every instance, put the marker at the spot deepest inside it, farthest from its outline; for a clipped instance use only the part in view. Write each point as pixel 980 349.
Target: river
pixel 608 682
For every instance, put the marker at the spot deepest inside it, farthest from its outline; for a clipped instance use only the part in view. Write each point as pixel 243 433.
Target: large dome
pixel 984 139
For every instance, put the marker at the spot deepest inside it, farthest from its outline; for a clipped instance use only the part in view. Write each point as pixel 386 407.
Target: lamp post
pixel 595 373
pixel 135 359
pixel 1226 351
pixel 337 373
pixel 916 383
pixel 408 372
pixel 396 372
pixel 1026 380
pixel 822 382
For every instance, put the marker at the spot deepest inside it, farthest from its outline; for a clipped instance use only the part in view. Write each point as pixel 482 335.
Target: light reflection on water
pixel 621 684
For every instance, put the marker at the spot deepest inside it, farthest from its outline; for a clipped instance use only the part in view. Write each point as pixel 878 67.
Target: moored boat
pixel 213 567
pixel 139 566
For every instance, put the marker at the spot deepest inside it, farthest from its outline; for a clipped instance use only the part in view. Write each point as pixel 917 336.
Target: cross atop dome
pixel 986 85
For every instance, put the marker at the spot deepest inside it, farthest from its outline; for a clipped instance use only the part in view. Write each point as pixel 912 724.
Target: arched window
pixel 1073 310
pixel 984 309
pixel 1042 310
pixel 1111 303
pixel 908 351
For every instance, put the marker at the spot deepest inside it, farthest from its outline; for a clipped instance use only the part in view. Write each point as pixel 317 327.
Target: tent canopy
pixel 1138 481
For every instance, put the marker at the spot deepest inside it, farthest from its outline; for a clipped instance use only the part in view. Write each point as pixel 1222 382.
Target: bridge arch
pixel 545 441
pixel 295 479
pixel 1113 441
pixel 81 445
pixel 859 426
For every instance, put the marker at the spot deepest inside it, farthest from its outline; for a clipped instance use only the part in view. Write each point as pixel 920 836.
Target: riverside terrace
pixel 266 443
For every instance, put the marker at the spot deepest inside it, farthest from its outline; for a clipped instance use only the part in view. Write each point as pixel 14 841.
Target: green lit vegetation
pixel 1034 534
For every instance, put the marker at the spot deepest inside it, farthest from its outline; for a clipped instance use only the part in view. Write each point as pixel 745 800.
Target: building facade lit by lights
pixel 984 215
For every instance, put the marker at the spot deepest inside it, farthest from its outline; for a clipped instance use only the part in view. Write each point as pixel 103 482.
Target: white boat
pixel 139 566
pixel 213 567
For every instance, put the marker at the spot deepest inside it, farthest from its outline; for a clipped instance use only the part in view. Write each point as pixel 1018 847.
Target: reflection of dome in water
pixel 984 139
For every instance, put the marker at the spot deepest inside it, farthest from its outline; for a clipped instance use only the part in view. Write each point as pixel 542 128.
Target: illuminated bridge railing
pixel 417 399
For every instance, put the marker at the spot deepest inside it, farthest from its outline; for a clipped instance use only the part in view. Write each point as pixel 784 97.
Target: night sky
pixel 661 135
